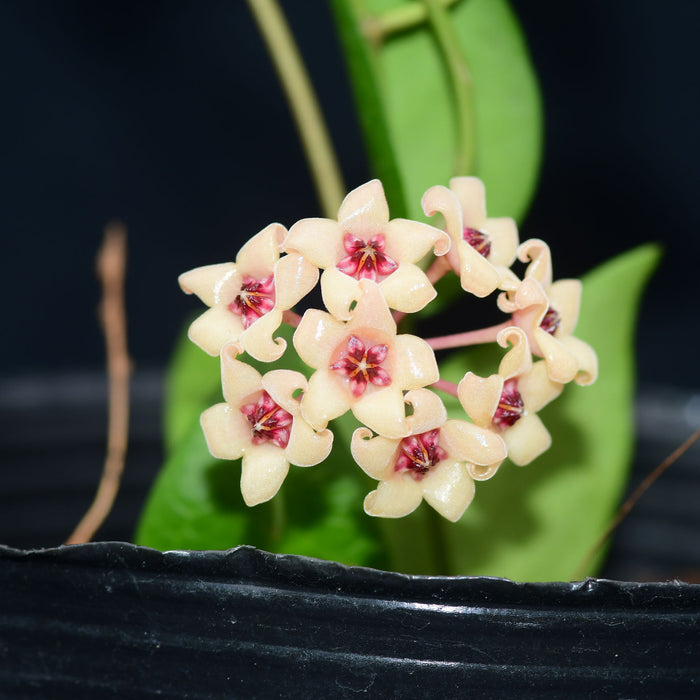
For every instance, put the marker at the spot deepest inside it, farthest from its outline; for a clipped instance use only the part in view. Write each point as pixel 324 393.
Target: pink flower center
pixel 510 405
pixel 268 421
pixel 255 299
pixel 551 321
pixel 366 259
pixel 478 240
pixel 361 365
pixel 419 453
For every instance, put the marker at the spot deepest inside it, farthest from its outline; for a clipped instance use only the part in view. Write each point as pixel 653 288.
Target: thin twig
pixel 111 267
pixel 627 506
pixel 460 340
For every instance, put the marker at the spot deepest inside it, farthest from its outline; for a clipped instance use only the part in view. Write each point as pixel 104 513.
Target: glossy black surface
pixel 115 620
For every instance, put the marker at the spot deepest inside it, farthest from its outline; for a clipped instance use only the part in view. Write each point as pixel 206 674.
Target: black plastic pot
pixel 115 620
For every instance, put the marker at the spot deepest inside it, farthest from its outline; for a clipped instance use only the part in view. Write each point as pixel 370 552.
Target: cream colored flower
pixel 247 297
pixel 482 249
pixel 436 461
pixel 261 422
pixel 508 402
pixel 362 365
pixel 364 244
pixel 548 313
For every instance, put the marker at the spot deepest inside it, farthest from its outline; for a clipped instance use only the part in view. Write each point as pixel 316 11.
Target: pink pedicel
pixel 477 240
pixel 366 260
pixel 419 453
pixel 268 421
pixel 510 405
pixel 362 365
pixel 551 321
pixel 255 299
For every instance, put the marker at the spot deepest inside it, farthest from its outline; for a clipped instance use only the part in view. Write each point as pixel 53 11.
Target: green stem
pixel 462 88
pixel 399 19
pixel 437 538
pixel 279 517
pixel 302 102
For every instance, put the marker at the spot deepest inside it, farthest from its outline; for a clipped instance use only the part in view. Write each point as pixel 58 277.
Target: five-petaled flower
pixel 362 365
pixel 548 313
pixel 247 297
pixel 508 402
pixel 482 249
pixel 363 244
pixel 436 461
pixel 261 422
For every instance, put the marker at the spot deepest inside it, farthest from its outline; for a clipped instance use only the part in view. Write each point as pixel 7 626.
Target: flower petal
pixel 428 411
pixel 585 356
pixel 257 339
pixel 215 328
pixel 238 379
pixel 281 385
pixel 565 297
pixel 467 442
pixel 479 397
pixel 476 274
pixel 307 447
pixel 414 362
pixel 226 431
pixel 408 289
pixel 481 472
pixel 383 411
pixel 320 241
pixel 471 193
pixel 440 199
pixel 213 284
pixel 259 255
pixel 372 310
pixel 324 400
pixel 295 277
pixel 518 359
pixel 339 291
pixel 395 498
pixel 375 455
pixel 537 389
pixel 316 336
pixel 364 211
pixel 449 489
pixel 503 233
pixel 540 267
pixel 562 364
pixel 526 440
pixel 264 468
pixel 409 241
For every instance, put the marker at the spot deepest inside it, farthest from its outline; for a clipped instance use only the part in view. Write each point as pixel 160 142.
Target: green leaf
pixel 196 504
pixel 414 102
pixel 536 523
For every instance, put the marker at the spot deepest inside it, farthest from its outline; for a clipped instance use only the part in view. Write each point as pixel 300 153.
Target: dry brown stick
pixel 627 506
pixel 111 268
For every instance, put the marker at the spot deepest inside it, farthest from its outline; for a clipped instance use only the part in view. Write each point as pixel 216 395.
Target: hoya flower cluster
pixel 371 277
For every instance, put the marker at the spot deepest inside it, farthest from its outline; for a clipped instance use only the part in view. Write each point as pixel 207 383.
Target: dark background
pixel 168 116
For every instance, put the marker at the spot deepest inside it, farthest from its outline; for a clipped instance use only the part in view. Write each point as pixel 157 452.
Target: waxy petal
pixel 238 379
pixel 467 442
pixel 562 364
pixel 519 358
pixel 316 336
pixel 372 310
pixel 281 385
pixel 526 440
pixel 364 211
pixel 565 297
pixel 408 289
pixel 585 357
pixel 257 339
pixel 375 455
pixel 394 498
pixel 320 241
pixel 383 411
pixel 263 470
pixel 295 277
pixel 471 194
pixel 449 489
pixel 259 255
pixel 503 233
pixel 537 389
pixel 307 447
pixel 226 431
pixel 410 241
pixel 339 291
pixel 479 397
pixel 213 284
pixel 428 411
pixel 440 199
pixel 215 328
pixel 476 274
pixel 324 400
pixel 540 267
pixel 415 364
